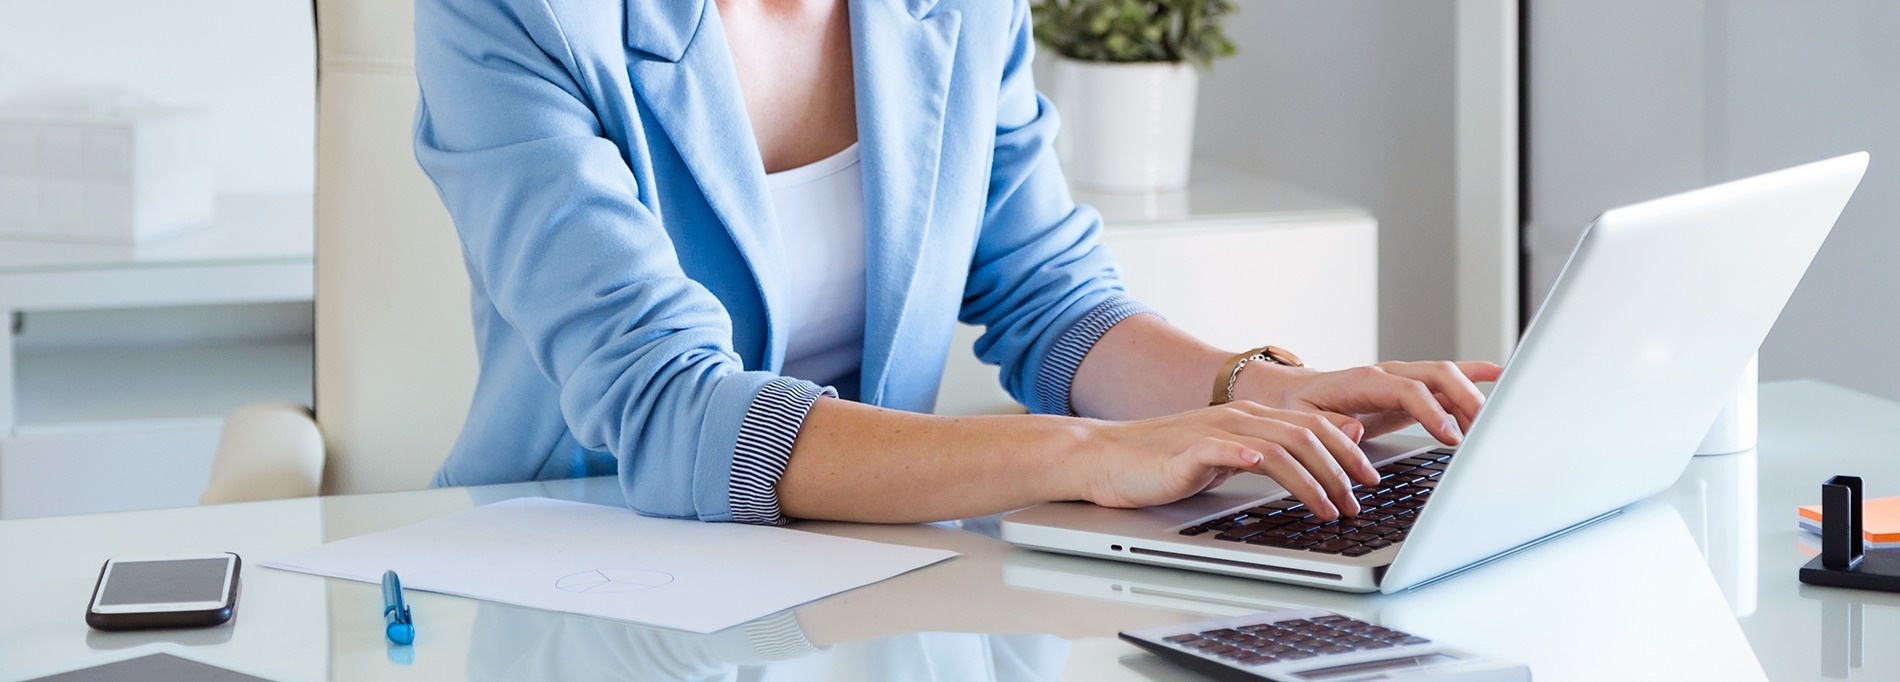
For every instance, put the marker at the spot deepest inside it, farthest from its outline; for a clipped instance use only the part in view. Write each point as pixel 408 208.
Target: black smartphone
pixel 147 593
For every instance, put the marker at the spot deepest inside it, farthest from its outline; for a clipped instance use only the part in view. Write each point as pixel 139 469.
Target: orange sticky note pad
pixel 1879 518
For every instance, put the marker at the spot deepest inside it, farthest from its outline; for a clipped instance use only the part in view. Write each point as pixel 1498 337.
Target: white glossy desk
pixel 1652 594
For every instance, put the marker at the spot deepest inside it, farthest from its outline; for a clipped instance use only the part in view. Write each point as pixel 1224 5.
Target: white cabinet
pixel 125 417
pixel 1238 260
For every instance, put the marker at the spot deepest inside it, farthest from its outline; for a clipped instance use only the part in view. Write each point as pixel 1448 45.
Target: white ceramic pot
pixel 1126 127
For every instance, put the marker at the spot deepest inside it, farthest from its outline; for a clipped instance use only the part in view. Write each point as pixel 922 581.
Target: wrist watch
pixel 1230 370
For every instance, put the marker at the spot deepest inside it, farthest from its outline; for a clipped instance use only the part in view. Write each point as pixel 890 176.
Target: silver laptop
pixel 1637 348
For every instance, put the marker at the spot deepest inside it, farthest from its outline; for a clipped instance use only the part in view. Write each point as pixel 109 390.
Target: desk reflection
pixel 1718 497
pixel 1634 587
pixel 515 643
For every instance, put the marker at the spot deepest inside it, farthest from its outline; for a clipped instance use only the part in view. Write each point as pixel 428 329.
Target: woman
pixel 720 248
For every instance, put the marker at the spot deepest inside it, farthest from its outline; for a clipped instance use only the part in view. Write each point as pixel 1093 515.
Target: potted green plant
pixel 1126 76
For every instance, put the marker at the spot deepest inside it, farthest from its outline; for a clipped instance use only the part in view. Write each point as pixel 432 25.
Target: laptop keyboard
pixel 1386 513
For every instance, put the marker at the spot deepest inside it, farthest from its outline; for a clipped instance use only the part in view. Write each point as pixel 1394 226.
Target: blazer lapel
pixel 688 83
pixel 902 59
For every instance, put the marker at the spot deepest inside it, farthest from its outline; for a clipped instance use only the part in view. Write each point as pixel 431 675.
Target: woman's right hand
pixel 1158 461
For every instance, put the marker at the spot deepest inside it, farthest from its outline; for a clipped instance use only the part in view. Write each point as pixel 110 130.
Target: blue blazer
pixel 626 271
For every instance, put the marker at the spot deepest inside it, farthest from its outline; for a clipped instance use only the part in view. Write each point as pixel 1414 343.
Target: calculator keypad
pixel 1294 640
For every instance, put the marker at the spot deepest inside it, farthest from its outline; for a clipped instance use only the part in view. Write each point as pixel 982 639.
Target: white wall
pixel 1355 98
pixel 1636 100
pixel 251 63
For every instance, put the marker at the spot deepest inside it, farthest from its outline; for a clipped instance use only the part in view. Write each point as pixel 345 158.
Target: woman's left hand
pixel 1382 398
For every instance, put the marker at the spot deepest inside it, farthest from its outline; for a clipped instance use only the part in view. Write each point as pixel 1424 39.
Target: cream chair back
pixel 395 354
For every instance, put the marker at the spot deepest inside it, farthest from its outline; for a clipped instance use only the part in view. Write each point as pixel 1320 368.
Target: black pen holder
pixel 1845 560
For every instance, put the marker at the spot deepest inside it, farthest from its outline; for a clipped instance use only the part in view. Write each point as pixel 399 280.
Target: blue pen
pixel 401 629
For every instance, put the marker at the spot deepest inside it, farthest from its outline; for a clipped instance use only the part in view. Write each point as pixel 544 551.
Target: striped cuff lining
pixel 777 637
pixel 1058 369
pixel 765 446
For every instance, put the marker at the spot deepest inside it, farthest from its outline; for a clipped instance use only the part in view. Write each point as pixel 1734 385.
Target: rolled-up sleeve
pixel 557 238
pixel 1041 283
pixel 764 447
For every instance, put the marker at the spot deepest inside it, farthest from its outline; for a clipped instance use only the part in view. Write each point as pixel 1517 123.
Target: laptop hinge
pixel 1500 555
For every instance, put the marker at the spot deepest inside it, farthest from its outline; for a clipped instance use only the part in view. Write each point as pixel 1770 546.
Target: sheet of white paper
pixel 612 563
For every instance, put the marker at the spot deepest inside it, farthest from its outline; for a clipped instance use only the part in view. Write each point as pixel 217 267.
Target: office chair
pixel 395 351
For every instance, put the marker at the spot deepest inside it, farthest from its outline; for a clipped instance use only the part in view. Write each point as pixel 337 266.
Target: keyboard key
pixel 1333 546
pixel 1243 531
pixel 1193 530
pixel 1376 543
pixel 1287 504
pixel 1184 638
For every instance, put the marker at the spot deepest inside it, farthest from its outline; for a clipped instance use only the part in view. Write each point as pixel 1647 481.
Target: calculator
pixel 1312 645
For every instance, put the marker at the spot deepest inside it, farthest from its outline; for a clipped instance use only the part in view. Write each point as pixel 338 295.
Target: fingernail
pixel 1450 427
pixel 1253 458
pixel 1355 432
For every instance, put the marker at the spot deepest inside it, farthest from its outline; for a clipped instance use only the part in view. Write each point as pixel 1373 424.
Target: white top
pixel 820 210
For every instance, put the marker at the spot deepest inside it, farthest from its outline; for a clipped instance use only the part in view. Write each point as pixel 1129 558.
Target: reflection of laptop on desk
pixel 1616 380
pixel 1628 599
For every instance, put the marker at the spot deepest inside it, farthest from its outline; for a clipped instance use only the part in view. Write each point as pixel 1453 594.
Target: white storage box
pixel 120 175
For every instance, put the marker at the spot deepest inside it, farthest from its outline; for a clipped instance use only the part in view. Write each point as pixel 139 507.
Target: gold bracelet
pixel 1230 370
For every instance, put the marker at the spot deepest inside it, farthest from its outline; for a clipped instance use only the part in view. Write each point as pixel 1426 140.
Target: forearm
pixel 1144 367
pixel 855 462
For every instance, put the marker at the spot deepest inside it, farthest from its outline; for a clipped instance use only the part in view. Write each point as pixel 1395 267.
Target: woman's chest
pixel 792 63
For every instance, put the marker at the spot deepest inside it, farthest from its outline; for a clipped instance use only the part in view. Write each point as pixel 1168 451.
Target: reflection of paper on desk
pixel 613 563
